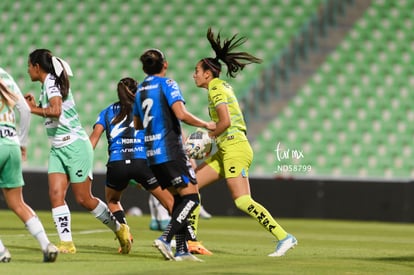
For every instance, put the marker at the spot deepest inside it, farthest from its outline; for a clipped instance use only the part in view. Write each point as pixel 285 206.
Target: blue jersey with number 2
pixel 153 101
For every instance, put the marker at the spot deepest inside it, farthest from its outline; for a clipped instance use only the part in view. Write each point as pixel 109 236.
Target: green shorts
pixel 232 159
pixel 74 160
pixel 11 167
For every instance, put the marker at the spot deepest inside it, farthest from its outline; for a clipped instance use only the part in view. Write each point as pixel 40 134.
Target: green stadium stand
pixel 353 118
pixel 102 41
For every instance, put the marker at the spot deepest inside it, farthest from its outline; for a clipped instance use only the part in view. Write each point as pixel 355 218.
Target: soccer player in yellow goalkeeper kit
pixel 234 154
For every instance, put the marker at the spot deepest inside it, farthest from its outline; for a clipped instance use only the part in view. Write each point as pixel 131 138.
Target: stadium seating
pixel 102 41
pixel 354 117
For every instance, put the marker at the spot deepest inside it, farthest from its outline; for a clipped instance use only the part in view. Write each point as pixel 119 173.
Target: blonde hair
pixel 8 95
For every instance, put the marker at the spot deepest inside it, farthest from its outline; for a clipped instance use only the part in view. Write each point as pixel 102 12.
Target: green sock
pixel 258 212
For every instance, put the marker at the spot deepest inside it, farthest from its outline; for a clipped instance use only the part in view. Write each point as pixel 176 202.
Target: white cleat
pixel 164 248
pixel 284 245
pixel 50 254
pixel 181 257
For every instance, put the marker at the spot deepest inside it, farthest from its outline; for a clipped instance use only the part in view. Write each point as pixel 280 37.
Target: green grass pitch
pixel 239 244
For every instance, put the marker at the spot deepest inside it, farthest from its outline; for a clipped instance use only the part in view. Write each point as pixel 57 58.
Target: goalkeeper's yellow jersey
pixel 220 92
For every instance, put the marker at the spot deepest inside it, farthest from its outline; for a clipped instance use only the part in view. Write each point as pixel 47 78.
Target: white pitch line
pixel 84 232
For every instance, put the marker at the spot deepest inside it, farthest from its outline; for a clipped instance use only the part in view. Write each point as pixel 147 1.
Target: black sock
pixel 120 216
pixel 181 241
pixel 166 233
pixel 181 212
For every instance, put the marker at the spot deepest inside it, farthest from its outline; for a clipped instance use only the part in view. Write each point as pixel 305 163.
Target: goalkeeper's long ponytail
pixel 235 61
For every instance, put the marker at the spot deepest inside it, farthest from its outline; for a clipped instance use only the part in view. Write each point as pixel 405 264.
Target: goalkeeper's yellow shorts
pixel 232 159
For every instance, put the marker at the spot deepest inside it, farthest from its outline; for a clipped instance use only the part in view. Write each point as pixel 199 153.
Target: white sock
pixel 102 213
pixel 35 227
pixel 162 213
pixel 2 246
pixel 62 219
pixel 152 206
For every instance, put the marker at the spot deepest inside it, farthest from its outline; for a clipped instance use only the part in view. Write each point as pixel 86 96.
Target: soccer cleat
pixel 159 225
pixel 50 254
pixel 132 241
pixel 154 225
pixel 284 245
pixel 67 247
pixel 186 256
pixel 164 248
pixel 5 256
pixel 197 247
pixel 124 238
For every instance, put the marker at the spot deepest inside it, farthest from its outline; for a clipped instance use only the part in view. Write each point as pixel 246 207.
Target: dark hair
pixel 43 57
pixel 235 61
pixel 127 87
pixel 152 61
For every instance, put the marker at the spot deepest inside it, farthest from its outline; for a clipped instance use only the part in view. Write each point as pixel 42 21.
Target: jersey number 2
pixel 146 106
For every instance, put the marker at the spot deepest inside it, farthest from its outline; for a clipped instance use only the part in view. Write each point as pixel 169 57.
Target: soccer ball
pixel 198 145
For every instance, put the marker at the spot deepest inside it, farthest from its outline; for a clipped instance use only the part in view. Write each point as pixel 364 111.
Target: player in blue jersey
pixel 13 142
pixel 71 153
pixel 127 159
pixel 159 108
